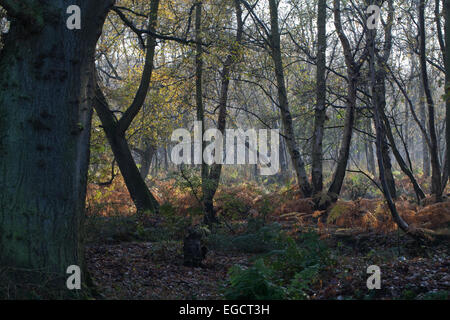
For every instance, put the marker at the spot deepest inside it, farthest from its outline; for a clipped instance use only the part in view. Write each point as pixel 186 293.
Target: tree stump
pixel 193 251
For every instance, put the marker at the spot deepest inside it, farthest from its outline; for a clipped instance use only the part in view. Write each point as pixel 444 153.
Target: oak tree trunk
pixel 46 85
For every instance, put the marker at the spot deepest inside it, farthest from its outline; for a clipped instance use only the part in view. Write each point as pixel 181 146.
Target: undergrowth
pixel 288 272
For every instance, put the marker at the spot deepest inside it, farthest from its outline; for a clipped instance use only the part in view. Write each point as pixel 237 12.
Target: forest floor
pixel 129 259
pixel 144 270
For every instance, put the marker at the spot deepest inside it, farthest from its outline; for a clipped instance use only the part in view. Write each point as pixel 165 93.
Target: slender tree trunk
pixel 296 157
pixel 46 76
pixel 155 169
pixel 215 171
pixel 320 111
pixel 369 150
pixel 284 165
pixel 379 96
pixel 166 159
pixel 447 87
pixel 445 173
pixel 423 120
pixel 207 200
pixel 408 139
pixel 353 76
pixel 380 92
pixel 344 152
pixel 380 137
pixel 436 188
pixel 403 166
pixel 146 160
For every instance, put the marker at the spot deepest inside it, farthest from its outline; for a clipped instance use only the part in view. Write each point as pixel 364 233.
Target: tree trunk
pixel 320 111
pixel 142 197
pixel 115 130
pixel 404 167
pixel 353 76
pixel 447 86
pixel 207 197
pixel 214 174
pixel 166 159
pixel 284 164
pixel 370 156
pixel 380 92
pixel 381 136
pixel 296 157
pixel 146 161
pixel 423 120
pixel 436 188
pixel 46 76
pixel 344 152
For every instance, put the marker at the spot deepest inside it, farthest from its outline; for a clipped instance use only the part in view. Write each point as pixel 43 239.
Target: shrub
pixel 256 238
pixel 233 207
pixel 343 213
pixel 171 226
pixel 110 229
pixel 434 216
pixel 294 258
pixel 235 202
pixel 301 205
pixel 253 283
pixel 438 295
pixel 301 283
pixel 111 200
pixel 259 238
pixel 288 271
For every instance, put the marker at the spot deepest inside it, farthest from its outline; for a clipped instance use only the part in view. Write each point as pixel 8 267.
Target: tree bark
pixel 436 188
pixel 423 121
pixel 447 86
pixel 147 161
pixel 353 76
pixel 320 111
pixel 139 192
pixel 380 91
pixel 370 156
pixel 379 96
pixel 207 196
pixel 46 76
pixel 296 157
pixel 115 130
pixel 404 167
pixel 146 157
pixel 380 134
pixel 214 174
